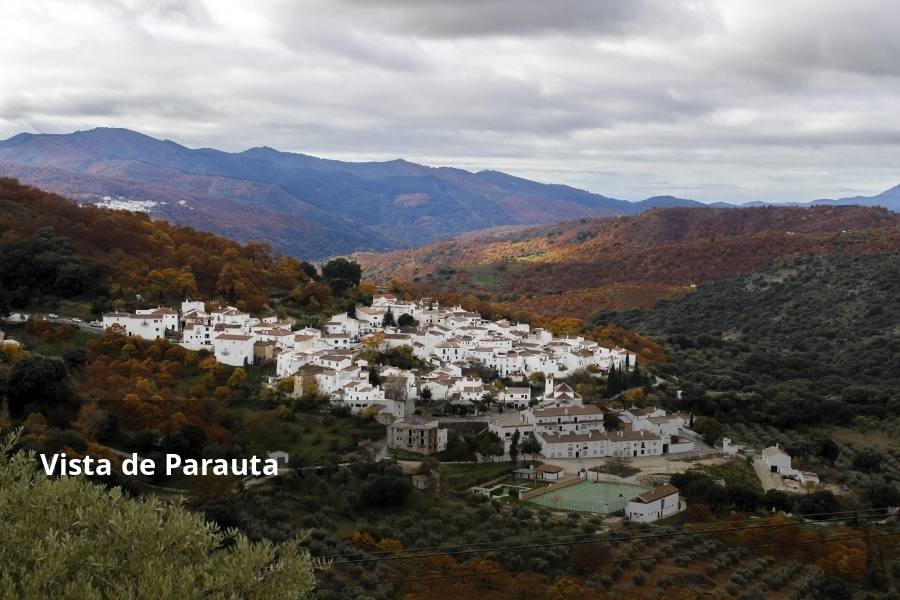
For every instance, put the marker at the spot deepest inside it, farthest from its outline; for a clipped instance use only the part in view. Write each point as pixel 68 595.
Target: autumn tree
pixel 312 293
pixel 172 284
pixel 230 283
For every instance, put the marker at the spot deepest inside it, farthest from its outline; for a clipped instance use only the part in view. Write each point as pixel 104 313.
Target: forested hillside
pixel 575 268
pixel 52 246
pixel 803 341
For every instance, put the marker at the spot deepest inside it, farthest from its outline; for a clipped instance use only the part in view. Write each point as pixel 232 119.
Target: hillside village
pixel 446 341
pixel 523 399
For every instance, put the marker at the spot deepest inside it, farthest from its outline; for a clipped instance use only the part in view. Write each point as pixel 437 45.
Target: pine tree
pixel 514 446
pixel 612 382
pixel 389 320
pixel 637 378
pixel 531 446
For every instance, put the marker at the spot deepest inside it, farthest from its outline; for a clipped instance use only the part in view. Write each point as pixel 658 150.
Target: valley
pixel 402 411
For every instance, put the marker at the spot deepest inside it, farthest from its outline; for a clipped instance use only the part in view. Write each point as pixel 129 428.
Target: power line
pixel 644 557
pixel 849 514
pixel 527 546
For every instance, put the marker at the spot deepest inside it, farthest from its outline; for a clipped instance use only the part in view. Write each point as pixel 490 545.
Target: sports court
pixel 590 496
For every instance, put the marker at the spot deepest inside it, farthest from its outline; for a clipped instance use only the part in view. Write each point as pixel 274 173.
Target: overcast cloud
pixel 708 99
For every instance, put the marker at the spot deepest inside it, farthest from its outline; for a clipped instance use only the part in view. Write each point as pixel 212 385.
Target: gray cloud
pixel 465 18
pixel 714 99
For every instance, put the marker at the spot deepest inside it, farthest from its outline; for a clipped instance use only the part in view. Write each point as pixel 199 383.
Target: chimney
pixel 548 386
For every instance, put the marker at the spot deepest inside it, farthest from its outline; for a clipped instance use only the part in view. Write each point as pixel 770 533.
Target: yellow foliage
pixel 389 544
pixel 362 538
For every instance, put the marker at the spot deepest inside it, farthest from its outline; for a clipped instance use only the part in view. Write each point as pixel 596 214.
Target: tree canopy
pixel 69 538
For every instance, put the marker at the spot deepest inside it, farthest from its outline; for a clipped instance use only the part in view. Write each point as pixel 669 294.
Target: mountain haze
pixel 307 206
pixel 303 205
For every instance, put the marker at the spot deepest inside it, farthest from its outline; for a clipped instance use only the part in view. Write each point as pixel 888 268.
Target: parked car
pixel 53 315
pixel 76 320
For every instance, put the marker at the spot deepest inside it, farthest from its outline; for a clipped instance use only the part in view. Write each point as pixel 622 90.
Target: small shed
pixel 281 456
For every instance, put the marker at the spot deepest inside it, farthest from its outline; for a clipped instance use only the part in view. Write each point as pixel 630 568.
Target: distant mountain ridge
pixel 303 205
pixel 577 267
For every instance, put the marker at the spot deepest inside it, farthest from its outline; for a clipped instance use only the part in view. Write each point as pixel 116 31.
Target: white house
pixel 467 390
pixel 565 419
pixel 517 397
pixel 149 324
pixel 505 425
pixel 361 395
pixel 234 349
pixel 777 460
pixel 230 316
pixel 559 395
pixel 653 505
pixel 595 443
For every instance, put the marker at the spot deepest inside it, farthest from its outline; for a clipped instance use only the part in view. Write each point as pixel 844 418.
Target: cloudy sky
pixel 714 100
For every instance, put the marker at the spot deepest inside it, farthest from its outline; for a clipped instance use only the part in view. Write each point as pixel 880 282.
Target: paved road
pixel 84 325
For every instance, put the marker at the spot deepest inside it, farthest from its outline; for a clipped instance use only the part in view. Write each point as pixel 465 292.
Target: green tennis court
pixel 591 496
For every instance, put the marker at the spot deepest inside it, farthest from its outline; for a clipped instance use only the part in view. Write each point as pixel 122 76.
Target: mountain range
pixel 305 206
pixel 578 267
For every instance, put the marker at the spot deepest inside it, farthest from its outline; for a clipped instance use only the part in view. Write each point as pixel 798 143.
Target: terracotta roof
pixel 563 411
pixel 548 469
pixel 774 451
pixel 663 491
pixel 633 436
pixel 591 436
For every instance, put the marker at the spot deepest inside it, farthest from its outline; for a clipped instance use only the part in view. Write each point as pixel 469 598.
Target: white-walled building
pixel 780 462
pixel 595 443
pixel 653 505
pixel 361 395
pixel 515 397
pixel 565 419
pixel 415 434
pixel 235 349
pixel 148 324
pixel 777 460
